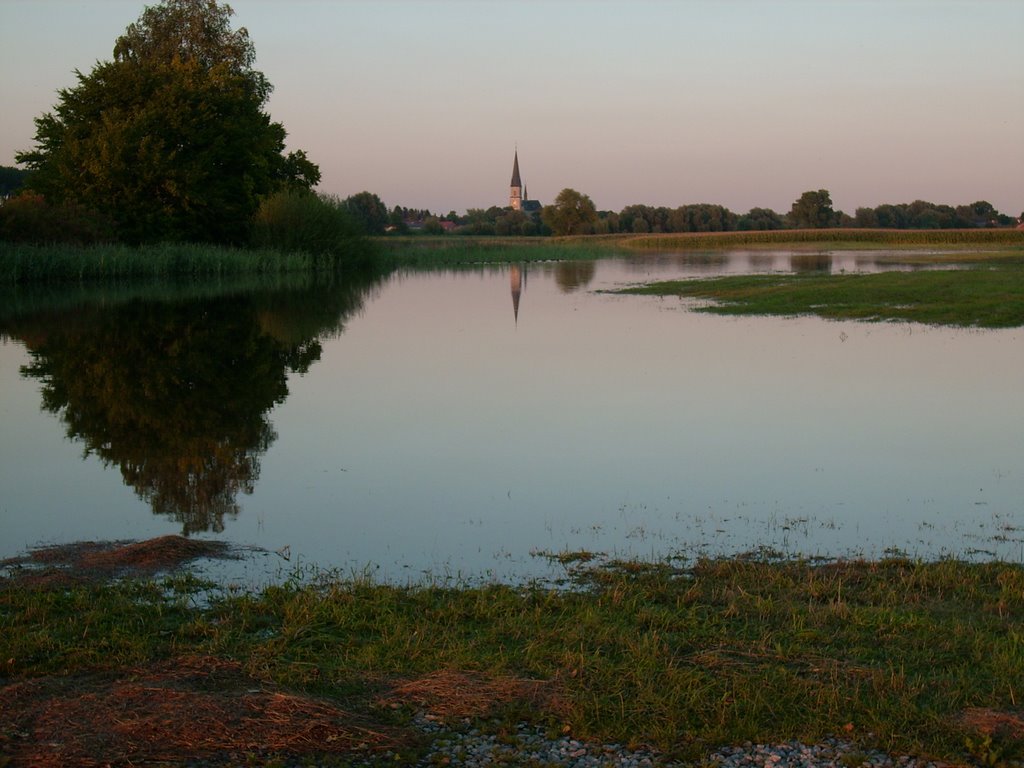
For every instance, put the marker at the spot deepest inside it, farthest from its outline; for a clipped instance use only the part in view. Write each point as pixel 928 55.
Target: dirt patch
pixel 450 694
pixel 177 711
pixel 96 561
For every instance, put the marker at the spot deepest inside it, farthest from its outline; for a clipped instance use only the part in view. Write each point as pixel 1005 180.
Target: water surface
pixel 460 423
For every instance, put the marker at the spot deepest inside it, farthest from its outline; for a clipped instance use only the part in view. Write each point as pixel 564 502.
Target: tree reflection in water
pixel 176 392
pixel 573 275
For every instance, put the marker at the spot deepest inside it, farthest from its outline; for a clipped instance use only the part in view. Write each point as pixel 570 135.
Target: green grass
pixel 21 264
pixel 985 295
pixel 886 653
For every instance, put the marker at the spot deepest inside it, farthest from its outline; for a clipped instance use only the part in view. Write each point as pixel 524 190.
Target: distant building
pixel 517 196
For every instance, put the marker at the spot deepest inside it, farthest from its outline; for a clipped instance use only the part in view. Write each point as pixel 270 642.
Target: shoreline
pixel 675 664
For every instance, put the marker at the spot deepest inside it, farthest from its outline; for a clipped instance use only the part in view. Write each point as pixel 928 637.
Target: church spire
pixel 515 194
pixel 515 171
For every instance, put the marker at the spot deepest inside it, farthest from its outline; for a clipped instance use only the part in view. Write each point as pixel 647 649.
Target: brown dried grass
pixel 452 694
pixel 186 708
pixel 993 722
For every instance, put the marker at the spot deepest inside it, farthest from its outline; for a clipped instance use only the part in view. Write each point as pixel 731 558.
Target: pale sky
pixel 740 103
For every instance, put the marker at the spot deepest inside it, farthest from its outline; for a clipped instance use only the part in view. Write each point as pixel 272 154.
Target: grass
pixel 989 294
pixel 21 264
pixel 447 251
pixel 828 239
pixel 890 654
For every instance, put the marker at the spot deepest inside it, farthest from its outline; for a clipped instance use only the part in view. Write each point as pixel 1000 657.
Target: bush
pixel 28 218
pixel 303 221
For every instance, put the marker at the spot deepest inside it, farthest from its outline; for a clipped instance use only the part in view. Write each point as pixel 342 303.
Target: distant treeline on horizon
pixel 811 210
pixel 29 218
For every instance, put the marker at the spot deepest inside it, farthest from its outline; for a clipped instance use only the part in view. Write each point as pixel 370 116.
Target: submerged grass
pixel 989 294
pixel 890 654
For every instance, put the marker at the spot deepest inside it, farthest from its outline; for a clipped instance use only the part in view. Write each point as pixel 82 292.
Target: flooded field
pixel 468 423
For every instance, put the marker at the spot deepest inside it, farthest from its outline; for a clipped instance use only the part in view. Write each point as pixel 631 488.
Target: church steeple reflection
pixel 517 277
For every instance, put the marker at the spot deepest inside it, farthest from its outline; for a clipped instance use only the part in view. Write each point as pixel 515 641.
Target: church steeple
pixel 515 195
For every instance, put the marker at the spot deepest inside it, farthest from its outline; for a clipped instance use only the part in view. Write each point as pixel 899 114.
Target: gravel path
pixel 530 747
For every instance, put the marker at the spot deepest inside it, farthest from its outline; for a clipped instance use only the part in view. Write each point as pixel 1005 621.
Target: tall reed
pixel 68 263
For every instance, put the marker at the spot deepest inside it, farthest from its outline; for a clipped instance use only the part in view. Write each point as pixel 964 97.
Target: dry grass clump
pixel 450 694
pixel 1009 725
pixel 181 709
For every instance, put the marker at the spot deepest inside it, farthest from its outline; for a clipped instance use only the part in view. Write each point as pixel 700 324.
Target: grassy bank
pixel 910 657
pixel 20 264
pixel 986 295
pixel 828 239
pixel 446 251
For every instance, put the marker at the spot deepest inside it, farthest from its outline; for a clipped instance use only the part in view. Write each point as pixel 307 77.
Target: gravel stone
pixel 529 746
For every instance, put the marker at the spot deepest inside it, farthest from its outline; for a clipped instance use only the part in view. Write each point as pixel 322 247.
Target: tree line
pixel 574 213
pixel 170 141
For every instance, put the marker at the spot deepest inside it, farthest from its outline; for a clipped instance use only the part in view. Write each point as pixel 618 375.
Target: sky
pixel 741 103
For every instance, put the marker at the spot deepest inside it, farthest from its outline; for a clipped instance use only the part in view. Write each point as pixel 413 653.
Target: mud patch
pixel 86 562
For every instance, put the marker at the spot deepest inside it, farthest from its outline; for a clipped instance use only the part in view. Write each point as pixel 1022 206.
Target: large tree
pixel 369 212
pixel 812 210
pixel 571 212
pixel 170 139
pixel 760 219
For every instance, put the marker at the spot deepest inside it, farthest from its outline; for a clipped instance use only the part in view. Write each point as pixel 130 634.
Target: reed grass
pixel 20 264
pixel 889 653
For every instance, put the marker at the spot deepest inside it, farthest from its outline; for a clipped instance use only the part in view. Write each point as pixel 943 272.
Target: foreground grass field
pixel 989 294
pixel 914 658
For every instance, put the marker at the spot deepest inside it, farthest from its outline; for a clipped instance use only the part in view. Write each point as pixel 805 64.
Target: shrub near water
pixel 28 218
pixel 306 222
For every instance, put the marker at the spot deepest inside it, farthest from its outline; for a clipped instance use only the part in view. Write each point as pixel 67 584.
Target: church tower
pixel 515 195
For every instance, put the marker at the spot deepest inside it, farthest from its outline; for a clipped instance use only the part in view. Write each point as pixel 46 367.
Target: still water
pixel 462 423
